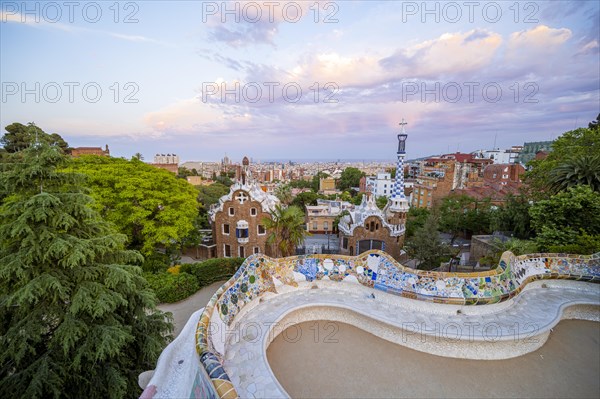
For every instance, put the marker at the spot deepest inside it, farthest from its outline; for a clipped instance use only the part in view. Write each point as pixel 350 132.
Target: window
pixel 241 233
pixel 253 212
pixel 227 250
pixel 325 225
pixel 241 252
pixel 226 229
pixel 261 230
pixel 315 225
pixel 377 226
pixel 345 242
pixel 256 250
pixel 231 211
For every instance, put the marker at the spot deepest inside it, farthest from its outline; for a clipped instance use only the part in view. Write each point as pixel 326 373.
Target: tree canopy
pixel 514 217
pixel 287 230
pixel 316 180
pixel 566 219
pixel 19 136
pixel 574 144
pixel 576 171
pixel 150 205
pixel 284 193
pixel 463 214
pixel 425 245
pixel 77 319
pixel 350 178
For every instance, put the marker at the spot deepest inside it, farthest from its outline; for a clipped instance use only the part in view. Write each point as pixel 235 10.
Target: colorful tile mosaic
pixel 378 270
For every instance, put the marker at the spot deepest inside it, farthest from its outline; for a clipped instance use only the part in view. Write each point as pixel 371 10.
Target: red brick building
pixel 237 220
pixel 79 151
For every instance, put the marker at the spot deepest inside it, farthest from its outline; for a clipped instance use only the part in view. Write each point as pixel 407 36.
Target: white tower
pixel 398 201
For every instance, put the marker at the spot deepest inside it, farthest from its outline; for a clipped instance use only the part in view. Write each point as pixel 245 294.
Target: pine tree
pixel 425 245
pixel 76 317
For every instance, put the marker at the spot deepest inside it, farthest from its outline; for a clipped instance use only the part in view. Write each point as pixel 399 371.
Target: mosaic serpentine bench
pixel 260 277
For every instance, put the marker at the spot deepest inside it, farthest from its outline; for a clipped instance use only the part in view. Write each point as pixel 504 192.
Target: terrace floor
pixel 352 363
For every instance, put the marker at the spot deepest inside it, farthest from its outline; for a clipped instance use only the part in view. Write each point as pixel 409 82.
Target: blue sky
pixel 162 67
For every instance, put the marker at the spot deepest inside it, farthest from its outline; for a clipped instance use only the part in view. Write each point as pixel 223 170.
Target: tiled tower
pixel 397 207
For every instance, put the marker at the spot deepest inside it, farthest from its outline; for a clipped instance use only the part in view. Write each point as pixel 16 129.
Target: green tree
pixel 562 219
pixel 19 136
pixel 514 217
pixel 514 245
pixel 358 198
pixel 150 205
pixel 415 219
pixel 306 198
pixel 346 196
pixel 224 179
pixel 287 230
pixel 583 169
pixel 582 142
pixel 284 193
pixel 138 156
pixel 425 245
pixel 350 178
pixel 316 180
pixel 77 319
pixel 301 183
pixel 466 215
pixel 209 195
pixel 381 202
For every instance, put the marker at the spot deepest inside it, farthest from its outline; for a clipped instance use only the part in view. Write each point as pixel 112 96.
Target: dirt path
pixel 182 310
pixel 361 365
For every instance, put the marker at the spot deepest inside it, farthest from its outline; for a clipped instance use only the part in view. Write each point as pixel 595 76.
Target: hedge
pixel 212 270
pixel 170 287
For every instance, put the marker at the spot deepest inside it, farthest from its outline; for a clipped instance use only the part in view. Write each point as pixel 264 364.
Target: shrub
pixel 156 263
pixel 585 244
pixel 179 282
pixel 172 287
pixel 212 270
pixel 174 269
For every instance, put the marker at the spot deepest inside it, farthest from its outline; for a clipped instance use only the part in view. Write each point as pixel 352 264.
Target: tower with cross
pixel 398 204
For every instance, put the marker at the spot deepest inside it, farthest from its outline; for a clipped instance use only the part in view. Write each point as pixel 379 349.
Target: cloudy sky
pixel 305 79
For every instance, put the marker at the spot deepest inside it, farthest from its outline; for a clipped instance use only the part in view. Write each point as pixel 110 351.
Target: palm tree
pixel 577 171
pixel 284 193
pixel 287 230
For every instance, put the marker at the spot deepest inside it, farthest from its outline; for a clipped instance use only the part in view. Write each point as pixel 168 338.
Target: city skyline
pixel 161 69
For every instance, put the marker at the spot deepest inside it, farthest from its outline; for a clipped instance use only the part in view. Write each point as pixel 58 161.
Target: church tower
pixel 397 207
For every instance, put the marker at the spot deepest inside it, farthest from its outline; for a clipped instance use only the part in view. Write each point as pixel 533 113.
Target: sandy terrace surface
pixel 361 365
